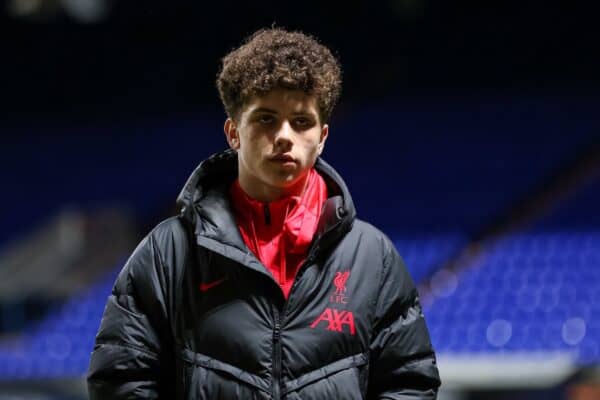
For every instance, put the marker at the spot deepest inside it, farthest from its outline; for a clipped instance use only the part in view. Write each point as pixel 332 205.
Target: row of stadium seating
pixel 533 291
pixel 60 344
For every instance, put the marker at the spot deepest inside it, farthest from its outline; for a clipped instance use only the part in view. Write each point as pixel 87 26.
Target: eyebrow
pixel 263 109
pixel 271 111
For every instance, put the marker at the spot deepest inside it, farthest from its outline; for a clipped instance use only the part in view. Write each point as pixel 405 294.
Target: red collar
pixel 280 232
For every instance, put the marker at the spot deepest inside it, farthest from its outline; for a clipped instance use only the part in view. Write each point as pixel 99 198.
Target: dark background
pixel 157 57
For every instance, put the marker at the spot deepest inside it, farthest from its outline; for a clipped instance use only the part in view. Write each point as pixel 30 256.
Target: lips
pixel 283 158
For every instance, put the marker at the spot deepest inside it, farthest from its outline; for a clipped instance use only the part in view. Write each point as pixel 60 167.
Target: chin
pixel 285 182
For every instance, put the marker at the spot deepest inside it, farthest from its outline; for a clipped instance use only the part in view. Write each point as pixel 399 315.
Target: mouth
pixel 282 158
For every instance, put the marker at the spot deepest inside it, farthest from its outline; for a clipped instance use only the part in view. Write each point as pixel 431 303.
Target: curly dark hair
pixel 276 58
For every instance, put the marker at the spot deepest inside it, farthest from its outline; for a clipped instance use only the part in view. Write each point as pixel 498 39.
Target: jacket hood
pixel 204 201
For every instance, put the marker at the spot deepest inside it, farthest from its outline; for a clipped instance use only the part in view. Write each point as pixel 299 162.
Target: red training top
pixel 280 232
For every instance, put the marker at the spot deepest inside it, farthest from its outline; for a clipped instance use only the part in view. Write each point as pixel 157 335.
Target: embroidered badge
pixel 339 281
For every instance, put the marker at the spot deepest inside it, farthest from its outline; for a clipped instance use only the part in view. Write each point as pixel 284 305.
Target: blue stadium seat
pixel 536 290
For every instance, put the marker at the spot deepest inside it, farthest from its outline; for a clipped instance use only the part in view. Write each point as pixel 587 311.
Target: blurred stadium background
pixel 468 131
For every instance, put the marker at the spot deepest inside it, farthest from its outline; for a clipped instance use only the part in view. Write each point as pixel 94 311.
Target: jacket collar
pixel 205 204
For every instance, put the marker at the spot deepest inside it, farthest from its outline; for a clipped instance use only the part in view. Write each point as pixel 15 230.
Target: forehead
pixel 283 101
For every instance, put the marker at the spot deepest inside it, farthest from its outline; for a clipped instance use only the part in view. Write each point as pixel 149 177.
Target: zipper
pixel 277 357
pixel 267 213
pixel 311 257
pixel 277 329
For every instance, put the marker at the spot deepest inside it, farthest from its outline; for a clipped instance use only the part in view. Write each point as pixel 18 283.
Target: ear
pixel 324 135
pixel 232 134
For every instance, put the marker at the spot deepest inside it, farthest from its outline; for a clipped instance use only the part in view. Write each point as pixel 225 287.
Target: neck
pixel 266 193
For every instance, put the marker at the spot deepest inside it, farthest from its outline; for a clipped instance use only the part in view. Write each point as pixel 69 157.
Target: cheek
pixel 252 144
pixel 311 148
pixel 309 155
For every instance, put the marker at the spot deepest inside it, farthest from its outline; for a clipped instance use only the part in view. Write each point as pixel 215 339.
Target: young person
pixel 266 286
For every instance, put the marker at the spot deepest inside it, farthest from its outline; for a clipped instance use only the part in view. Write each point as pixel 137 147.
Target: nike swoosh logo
pixel 204 286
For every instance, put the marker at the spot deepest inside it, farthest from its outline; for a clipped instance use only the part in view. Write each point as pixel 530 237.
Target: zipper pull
pixel 267 213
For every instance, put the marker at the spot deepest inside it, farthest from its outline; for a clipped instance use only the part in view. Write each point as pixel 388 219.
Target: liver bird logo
pixel 340 282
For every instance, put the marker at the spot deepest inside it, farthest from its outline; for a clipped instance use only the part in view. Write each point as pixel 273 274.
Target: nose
pixel 283 136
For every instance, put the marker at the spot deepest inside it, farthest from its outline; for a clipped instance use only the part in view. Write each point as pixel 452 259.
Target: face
pixel 278 138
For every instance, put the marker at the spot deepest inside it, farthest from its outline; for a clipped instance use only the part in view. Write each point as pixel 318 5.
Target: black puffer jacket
pixel 194 314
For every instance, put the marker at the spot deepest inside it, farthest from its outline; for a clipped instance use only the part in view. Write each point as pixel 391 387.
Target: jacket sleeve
pixel 403 364
pixel 130 358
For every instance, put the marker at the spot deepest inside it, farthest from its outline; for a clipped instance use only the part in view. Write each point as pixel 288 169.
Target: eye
pixel 303 122
pixel 266 119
